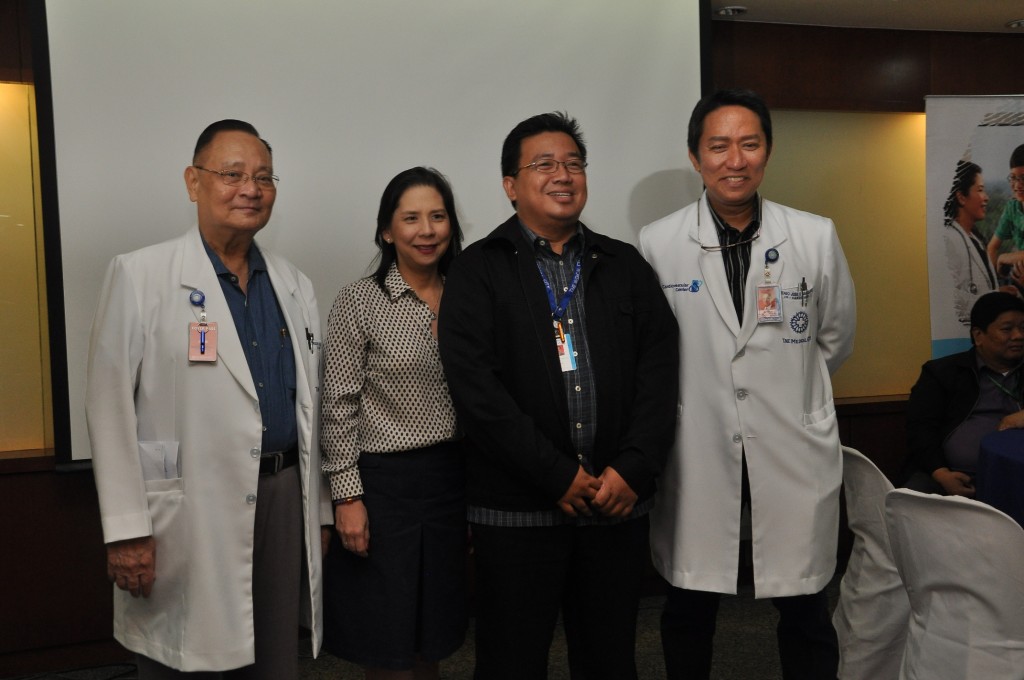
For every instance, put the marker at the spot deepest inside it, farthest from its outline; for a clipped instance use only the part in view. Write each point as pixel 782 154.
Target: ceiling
pixel 984 16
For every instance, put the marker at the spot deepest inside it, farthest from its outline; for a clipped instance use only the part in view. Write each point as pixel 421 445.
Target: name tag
pixel 202 341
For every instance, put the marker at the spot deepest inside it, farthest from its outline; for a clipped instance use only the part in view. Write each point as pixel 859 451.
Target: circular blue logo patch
pixel 799 322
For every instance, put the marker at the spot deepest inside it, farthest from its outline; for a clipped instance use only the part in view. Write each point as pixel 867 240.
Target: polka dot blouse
pixel 383 387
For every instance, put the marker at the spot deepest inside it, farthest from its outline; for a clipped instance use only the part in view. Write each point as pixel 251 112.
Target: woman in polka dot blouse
pixel 394 578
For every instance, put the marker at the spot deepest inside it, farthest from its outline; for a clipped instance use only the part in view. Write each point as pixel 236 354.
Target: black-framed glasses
pixel 720 247
pixel 1015 179
pixel 233 178
pixel 727 246
pixel 548 166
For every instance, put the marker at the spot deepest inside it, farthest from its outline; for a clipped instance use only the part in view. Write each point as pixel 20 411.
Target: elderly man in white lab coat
pixel 202 404
pixel 766 313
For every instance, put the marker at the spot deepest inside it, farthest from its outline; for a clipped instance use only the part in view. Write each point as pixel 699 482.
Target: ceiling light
pixel 1017 23
pixel 731 11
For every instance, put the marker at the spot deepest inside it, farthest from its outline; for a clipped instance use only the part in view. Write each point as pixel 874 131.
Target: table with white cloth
pixel 1000 476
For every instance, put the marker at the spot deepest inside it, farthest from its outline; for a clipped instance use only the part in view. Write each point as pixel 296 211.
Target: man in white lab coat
pixel 766 312
pixel 202 402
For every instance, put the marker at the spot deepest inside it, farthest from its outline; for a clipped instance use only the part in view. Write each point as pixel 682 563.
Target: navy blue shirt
pixel 263 332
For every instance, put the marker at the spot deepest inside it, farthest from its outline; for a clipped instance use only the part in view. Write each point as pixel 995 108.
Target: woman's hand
pixel 353 527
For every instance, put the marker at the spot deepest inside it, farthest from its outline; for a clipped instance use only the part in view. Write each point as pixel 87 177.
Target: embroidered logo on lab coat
pixel 798 322
pixel 691 287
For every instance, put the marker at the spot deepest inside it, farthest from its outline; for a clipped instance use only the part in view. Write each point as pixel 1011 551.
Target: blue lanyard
pixel 558 308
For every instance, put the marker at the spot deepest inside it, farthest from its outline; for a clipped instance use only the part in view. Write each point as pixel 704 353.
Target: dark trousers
pixel 808 647
pixel 525 575
pixel 276 581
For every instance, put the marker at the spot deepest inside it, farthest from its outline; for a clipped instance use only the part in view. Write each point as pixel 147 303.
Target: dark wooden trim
pixel 876 426
pixel 859 69
pixel 15 47
pixel 51 235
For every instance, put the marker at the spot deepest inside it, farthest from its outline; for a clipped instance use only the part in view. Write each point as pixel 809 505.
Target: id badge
pixel 769 304
pixel 566 356
pixel 202 341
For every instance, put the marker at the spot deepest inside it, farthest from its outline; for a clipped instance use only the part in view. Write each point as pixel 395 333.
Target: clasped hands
pixel 607 493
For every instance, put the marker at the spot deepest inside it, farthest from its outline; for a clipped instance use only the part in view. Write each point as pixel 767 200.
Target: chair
pixel 873 610
pixel 961 562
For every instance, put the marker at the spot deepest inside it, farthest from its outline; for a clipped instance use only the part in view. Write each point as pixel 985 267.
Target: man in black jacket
pixel 561 354
pixel 960 398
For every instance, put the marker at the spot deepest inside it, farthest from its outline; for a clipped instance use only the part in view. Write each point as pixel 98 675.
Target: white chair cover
pixel 873 610
pixel 962 563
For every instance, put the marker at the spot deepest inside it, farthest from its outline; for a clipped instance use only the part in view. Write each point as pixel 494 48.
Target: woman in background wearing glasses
pixel 394 578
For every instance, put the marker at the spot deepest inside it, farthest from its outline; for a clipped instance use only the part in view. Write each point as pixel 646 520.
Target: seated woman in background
pixel 394 578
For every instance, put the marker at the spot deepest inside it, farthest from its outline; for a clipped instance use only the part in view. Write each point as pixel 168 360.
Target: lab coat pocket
pixel 154 624
pixel 159 460
pixel 822 418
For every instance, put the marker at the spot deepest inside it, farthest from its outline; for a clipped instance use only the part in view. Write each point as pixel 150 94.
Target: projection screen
pixel 349 94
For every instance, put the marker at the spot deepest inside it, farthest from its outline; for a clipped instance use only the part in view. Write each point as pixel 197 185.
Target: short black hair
pixel 226 125
pixel 556 121
pixel 963 180
pixel 389 200
pixel 990 307
pixel 748 99
pixel 1017 157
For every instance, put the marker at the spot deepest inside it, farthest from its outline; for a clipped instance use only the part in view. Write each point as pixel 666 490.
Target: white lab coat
pixel 176 447
pixel 967 267
pixel 762 388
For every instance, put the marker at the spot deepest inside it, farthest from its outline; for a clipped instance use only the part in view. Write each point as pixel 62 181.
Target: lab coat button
pixel 741 394
pixel 254 452
pixel 737 438
pixel 250 499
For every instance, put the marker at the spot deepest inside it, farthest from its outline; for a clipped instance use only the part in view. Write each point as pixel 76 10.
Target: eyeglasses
pixel 234 178
pixel 550 166
pixel 1015 179
pixel 727 246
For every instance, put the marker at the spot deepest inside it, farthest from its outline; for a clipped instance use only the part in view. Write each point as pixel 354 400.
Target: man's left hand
pixel 131 565
pixel 615 498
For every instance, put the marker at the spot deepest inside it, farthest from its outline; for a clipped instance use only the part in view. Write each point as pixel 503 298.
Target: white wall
pixel 349 93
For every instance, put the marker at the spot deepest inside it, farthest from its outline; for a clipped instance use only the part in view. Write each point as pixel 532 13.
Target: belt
pixel 275 461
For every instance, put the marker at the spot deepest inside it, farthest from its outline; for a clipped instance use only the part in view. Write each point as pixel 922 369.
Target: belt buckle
pixel 278 458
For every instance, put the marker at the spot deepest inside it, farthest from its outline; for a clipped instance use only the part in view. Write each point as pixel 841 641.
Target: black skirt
pixel 407 598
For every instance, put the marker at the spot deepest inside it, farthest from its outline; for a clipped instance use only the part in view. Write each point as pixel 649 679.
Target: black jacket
pixel 942 398
pixel 502 368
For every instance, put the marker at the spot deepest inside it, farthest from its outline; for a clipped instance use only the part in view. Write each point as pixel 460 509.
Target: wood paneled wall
pixel 15 42
pixel 857 69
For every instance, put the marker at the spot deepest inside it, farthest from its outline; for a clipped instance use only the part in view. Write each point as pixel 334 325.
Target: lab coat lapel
pixel 197 274
pixel 712 268
pixel 296 316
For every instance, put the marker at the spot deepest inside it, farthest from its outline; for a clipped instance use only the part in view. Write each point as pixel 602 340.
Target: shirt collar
pixel 255 257
pixel 729 234
pixel 574 244
pixel 395 284
pixel 981 365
